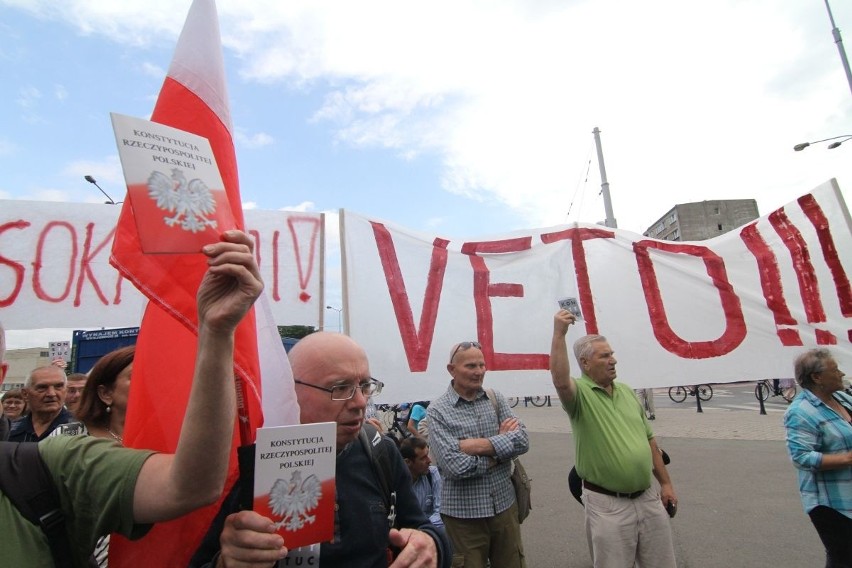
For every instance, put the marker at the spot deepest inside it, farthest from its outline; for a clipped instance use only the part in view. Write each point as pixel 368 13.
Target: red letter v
pixel 417 343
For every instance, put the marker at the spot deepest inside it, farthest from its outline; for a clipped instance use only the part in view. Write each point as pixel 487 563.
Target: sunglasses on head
pixel 464 346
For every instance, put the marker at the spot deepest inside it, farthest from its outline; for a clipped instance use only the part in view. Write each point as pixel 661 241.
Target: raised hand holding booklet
pixel 173 183
pixel 572 305
pixel 294 481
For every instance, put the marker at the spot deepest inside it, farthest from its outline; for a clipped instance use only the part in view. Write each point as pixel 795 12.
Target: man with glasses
pixel 333 383
pixel 474 440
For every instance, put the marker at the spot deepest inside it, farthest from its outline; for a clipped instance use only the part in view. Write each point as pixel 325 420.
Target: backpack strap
pixel 371 441
pixel 26 481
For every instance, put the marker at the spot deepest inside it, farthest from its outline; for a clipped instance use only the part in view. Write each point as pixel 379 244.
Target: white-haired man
pixel 626 522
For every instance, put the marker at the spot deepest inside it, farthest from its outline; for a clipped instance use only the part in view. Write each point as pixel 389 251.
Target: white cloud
pixel 106 171
pixel 153 70
pixel 60 92
pixel 257 140
pixel 695 101
pixel 28 97
pixel 303 207
pixel 247 205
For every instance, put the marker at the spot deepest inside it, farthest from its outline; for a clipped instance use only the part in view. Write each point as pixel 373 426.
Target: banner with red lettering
pixel 738 307
pixel 55 272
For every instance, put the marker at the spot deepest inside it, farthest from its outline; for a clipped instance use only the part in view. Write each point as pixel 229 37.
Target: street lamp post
pixel 838 39
pixel 339 317
pixel 846 137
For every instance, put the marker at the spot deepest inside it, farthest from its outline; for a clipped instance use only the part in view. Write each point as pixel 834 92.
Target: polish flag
pixel 193 98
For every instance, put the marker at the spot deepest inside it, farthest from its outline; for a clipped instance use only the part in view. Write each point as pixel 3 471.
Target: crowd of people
pixel 460 510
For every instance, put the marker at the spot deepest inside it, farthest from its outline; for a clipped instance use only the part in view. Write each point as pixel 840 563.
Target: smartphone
pixel 671 509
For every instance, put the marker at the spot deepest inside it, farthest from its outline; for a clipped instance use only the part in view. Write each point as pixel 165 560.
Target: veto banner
pixel 738 307
pixel 55 272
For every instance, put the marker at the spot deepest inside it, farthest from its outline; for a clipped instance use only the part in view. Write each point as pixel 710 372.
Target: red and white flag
pixel 193 98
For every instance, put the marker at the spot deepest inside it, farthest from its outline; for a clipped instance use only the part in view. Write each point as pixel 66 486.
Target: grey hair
pixel 583 348
pixel 810 362
pixel 29 382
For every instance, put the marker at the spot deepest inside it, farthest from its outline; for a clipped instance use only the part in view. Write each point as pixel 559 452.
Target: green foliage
pixel 295 331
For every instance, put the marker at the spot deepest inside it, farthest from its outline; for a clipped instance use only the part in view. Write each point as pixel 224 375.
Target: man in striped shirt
pixel 474 440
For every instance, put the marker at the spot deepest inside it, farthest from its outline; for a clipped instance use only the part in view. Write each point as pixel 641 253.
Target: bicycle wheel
pixel 761 391
pixel 705 392
pixel 789 393
pixel 513 401
pixel 538 400
pixel 386 418
pixel 677 394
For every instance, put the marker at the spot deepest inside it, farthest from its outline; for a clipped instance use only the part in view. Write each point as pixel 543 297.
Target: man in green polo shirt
pixel 626 518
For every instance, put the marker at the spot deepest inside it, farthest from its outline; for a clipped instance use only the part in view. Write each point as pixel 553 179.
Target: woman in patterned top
pixel 819 440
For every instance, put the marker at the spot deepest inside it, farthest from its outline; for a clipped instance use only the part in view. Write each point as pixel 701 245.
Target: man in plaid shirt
pixel 474 441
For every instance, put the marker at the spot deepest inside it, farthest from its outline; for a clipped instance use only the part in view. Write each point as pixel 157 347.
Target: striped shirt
pixel 472 489
pixel 813 430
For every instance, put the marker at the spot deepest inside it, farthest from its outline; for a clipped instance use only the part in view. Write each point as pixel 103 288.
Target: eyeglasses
pixel 464 346
pixel 345 392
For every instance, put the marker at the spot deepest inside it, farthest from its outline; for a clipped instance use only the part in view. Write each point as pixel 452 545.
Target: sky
pixel 462 118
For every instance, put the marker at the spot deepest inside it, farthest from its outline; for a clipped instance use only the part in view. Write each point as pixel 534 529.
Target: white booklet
pixel 294 481
pixel 173 184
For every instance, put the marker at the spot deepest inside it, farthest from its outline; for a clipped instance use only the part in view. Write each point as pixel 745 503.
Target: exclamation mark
pixel 816 216
pixel 770 283
pixel 304 272
pixel 804 269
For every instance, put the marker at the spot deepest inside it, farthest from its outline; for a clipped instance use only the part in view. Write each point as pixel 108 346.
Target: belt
pixel 598 489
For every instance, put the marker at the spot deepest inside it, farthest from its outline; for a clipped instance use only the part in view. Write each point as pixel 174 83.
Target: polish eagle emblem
pixel 294 500
pixel 190 202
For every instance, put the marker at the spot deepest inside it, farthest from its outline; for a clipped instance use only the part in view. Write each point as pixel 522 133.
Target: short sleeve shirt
pixel 418 413
pixel 611 437
pixel 96 481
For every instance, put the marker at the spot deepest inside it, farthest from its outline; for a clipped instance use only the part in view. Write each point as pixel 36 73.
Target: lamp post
pixel 839 41
pixel 846 137
pixel 610 218
pixel 92 181
pixel 339 317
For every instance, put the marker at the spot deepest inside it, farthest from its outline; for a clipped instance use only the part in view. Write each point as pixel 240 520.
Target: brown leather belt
pixel 598 489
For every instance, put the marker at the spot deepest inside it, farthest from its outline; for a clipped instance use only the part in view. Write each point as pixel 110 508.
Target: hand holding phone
pixel 671 509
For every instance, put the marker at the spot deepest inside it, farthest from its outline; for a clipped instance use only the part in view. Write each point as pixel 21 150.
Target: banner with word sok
pixel 738 307
pixel 55 272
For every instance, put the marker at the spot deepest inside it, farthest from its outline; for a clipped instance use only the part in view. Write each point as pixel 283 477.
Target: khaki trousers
pixel 624 532
pixel 497 538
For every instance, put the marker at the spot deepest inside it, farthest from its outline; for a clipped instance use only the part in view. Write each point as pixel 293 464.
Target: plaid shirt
pixel 472 489
pixel 814 429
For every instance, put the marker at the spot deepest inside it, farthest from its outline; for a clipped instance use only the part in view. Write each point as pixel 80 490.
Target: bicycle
pixel 763 389
pixel 395 419
pixel 538 401
pixel 679 394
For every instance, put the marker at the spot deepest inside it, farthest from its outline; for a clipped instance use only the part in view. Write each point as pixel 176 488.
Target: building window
pixel 44 354
pixel 719 226
pixel 716 210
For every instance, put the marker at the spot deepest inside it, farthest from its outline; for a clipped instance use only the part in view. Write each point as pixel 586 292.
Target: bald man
pixel 333 384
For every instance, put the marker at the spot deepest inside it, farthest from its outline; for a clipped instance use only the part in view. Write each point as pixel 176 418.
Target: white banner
pixel 55 271
pixel 737 307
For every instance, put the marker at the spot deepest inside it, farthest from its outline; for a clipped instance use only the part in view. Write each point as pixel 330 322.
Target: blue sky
pixel 459 118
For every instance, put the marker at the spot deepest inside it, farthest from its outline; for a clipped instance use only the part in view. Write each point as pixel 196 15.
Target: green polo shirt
pixel 611 437
pixel 96 481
